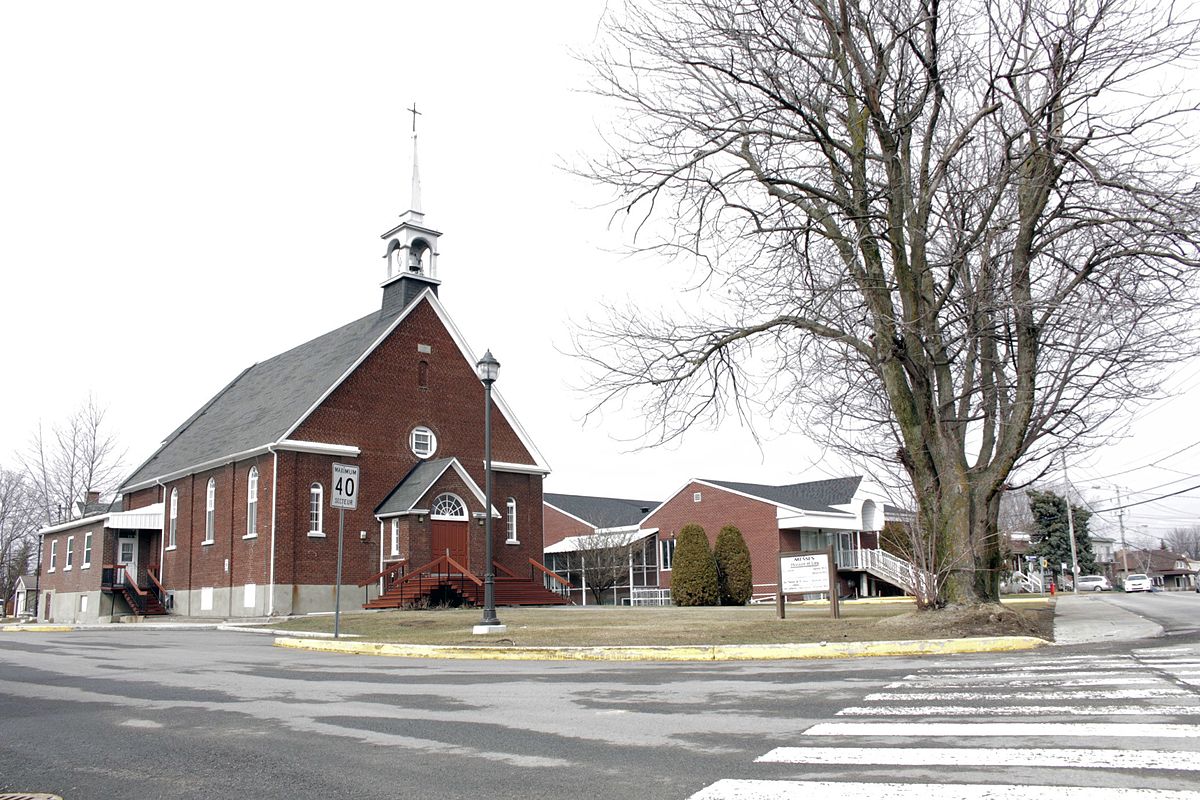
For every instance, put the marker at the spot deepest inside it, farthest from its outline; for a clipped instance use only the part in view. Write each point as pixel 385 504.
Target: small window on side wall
pixel 511 518
pixel 316 509
pixel 423 374
pixel 667 551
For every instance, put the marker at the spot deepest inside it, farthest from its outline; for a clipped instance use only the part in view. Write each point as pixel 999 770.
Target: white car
pixel 1094 583
pixel 1138 583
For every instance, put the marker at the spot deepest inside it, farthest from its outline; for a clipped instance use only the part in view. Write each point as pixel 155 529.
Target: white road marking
pixel 1005 680
pixel 1022 710
pixel 806 790
pixel 986 757
pixel 1120 730
pixel 1106 694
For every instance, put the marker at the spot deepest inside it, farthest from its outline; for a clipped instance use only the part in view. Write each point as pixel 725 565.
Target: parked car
pixel 1094 583
pixel 1138 583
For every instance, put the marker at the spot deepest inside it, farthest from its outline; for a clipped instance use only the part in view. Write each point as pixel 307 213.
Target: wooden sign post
pixel 808 572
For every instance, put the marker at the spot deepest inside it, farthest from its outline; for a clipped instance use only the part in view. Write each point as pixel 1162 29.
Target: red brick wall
pixel 716 509
pixel 376 409
pixel 141 498
pixel 557 526
pixel 78 578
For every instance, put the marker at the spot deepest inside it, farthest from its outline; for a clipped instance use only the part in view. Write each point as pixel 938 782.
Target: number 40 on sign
pixel 345 487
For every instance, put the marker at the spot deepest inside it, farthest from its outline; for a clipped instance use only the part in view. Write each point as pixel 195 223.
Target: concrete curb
pixel 37 628
pixel 745 652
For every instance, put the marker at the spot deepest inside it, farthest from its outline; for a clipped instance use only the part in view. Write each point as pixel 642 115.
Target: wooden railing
pixel 549 578
pixel 389 575
pixel 160 592
pixel 452 573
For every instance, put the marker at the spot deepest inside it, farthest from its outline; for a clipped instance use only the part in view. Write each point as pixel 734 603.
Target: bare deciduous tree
pixel 955 238
pixel 78 456
pixel 604 558
pixel 18 526
pixel 1185 541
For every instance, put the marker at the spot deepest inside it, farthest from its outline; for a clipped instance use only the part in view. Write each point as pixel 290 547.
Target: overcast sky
pixel 186 190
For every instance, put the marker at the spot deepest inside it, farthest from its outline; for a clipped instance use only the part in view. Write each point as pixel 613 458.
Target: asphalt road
pixel 208 714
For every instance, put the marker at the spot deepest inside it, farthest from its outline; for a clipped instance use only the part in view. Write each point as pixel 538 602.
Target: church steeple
pixel 411 251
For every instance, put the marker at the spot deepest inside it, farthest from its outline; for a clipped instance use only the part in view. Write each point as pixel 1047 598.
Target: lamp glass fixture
pixel 488 368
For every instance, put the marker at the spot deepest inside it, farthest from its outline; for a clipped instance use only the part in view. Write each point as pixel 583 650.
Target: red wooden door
pixel 449 534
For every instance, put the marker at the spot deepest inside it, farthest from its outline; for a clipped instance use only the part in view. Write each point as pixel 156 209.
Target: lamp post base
pixel 485 629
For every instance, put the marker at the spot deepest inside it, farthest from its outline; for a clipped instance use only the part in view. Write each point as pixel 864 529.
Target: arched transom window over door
pixel 448 506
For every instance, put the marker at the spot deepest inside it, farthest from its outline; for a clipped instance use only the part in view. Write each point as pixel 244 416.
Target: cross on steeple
pixel 414 112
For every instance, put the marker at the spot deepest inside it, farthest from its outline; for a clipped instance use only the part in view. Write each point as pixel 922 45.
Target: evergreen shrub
pixel 734 581
pixel 694 571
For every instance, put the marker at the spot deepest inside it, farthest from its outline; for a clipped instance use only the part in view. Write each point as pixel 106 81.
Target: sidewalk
pixel 1083 618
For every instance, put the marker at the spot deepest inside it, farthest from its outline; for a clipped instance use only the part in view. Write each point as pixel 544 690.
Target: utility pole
pixel 1071 529
pixel 1124 548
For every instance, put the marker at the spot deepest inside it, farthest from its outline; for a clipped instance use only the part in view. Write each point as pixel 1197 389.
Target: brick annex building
pixel 231 515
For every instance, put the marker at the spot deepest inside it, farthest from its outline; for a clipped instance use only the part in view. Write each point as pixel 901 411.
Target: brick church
pixel 231 516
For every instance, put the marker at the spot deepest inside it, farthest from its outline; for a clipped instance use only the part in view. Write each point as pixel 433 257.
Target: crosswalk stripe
pixel 986 757
pixel 1005 680
pixel 1107 694
pixel 1023 710
pixel 1119 730
pixel 730 789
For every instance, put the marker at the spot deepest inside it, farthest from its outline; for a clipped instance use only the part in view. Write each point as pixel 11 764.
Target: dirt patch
pixel 958 622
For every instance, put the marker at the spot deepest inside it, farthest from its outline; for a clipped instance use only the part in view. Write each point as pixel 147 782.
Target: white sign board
pixel 804 574
pixel 345 487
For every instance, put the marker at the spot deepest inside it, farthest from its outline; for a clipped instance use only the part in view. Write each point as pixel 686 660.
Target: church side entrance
pixel 449 528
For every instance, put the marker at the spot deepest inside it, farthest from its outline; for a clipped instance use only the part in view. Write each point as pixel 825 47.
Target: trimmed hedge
pixel 694 571
pixel 735 583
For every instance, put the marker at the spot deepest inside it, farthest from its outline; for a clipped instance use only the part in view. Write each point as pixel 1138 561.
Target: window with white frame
pixel 210 512
pixel 667 552
pixel 87 550
pixel 511 518
pixel 252 502
pixel 422 442
pixel 70 559
pixel 395 537
pixel 316 509
pixel 173 521
pixel 53 555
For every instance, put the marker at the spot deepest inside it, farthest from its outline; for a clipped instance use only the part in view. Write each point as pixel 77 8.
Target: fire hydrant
pixel 1052 590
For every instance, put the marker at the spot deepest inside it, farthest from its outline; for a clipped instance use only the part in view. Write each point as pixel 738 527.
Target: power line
pixel 1151 500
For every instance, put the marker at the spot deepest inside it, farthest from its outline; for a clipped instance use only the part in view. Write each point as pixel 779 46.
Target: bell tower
pixel 411 250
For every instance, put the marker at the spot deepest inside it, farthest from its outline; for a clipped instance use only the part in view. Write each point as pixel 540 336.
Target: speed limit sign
pixel 345 487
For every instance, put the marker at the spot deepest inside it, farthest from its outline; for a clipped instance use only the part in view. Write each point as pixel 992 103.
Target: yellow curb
pixel 742 652
pixel 37 628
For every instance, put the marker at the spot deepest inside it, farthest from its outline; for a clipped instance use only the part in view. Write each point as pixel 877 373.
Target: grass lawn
pixel 614 626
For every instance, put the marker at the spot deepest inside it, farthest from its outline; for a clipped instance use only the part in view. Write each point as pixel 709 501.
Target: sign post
pixel 344 495
pixel 808 572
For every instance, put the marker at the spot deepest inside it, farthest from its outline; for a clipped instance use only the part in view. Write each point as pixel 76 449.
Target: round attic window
pixel 422 442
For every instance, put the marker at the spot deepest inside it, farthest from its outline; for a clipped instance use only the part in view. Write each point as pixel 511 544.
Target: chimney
pixel 93 497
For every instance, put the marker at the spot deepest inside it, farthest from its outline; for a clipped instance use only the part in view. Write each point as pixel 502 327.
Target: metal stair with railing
pixel 881 564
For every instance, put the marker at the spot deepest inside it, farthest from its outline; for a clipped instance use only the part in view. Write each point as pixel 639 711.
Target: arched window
pixel 252 502
pixel 512 520
pixel 316 508
pixel 423 374
pixel 210 512
pixel 448 506
pixel 173 523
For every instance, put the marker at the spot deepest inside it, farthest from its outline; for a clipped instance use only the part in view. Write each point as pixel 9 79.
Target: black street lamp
pixel 488 370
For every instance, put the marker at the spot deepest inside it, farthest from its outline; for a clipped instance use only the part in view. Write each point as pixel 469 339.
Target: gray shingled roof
pixel 811 496
pixel 264 401
pixel 602 512
pixel 414 486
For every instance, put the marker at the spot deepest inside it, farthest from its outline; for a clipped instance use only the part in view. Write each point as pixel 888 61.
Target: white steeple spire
pixel 415 202
pixel 411 251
